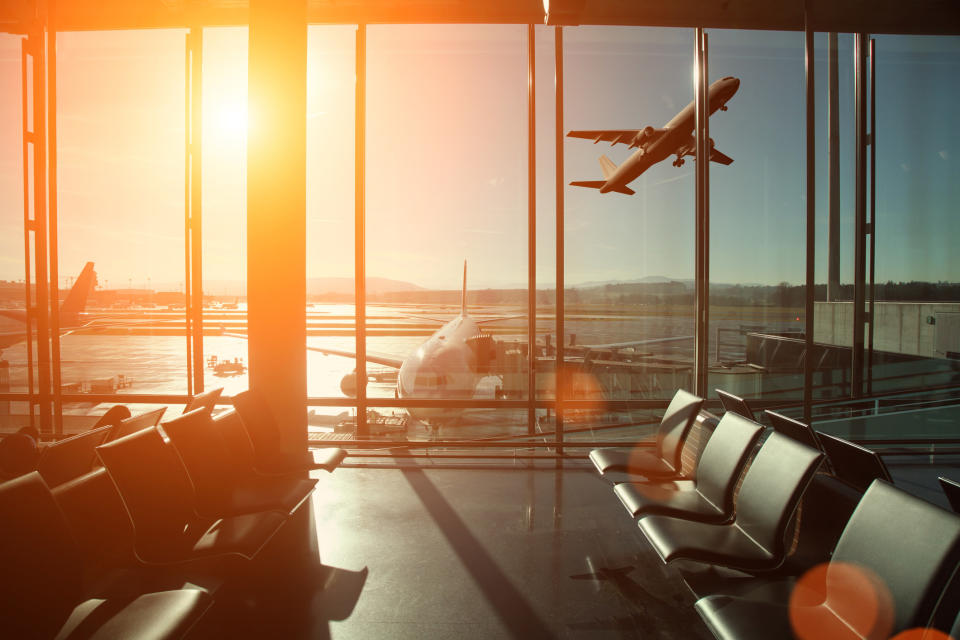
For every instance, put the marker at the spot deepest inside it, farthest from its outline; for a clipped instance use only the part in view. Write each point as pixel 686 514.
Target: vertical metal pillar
pixel 531 230
pixel 860 230
pixel 872 227
pixel 51 82
pixel 187 200
pixel 560 364
pixel 811 230
pixel 833 168
pixel 702 215
pixel 40 225
pixel 28 139
pixel 360 230
pixel 196 205
pixel 276 212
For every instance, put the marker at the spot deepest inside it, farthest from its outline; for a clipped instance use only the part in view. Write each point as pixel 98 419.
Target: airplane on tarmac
pixel 71 310
pixel 654 145
pixel 449 365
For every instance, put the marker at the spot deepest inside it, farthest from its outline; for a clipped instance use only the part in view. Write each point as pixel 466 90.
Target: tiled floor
pixel 472 553
pixel 422 551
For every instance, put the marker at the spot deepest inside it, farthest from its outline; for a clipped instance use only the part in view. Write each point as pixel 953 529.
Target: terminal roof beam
pixel 931 17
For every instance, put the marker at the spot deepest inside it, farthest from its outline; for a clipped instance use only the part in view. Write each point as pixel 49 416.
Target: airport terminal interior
pixel 560 319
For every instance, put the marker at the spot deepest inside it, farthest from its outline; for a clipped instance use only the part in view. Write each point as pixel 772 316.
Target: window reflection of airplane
pixel 71 310
pixel 654 145
pixel 450 364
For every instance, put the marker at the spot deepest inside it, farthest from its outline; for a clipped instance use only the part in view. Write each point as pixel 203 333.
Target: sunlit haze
pixel 446 156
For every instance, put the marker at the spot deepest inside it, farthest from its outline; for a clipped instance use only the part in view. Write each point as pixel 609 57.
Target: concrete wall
pixel 901 327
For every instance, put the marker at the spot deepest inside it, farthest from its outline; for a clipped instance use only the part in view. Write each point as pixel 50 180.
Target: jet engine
pixel 348 385
pixel 642 136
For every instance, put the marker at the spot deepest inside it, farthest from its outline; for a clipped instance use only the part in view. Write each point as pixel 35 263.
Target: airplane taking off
pixel 654 145
pixel 71 310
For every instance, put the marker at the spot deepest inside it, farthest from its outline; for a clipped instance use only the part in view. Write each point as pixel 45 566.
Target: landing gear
pixel 679 162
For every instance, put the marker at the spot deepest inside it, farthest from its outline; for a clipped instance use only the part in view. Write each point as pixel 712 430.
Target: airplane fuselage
pixel 444 367
pixel 677 135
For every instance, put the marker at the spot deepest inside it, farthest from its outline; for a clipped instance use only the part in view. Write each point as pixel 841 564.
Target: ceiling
pixel 940 17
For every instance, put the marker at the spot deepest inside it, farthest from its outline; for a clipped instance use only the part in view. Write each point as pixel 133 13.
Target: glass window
pixel 13 359
pixel 446 190
pixel 224 207
pixel 331 162
pixel 757 214
pixel 121 198
pixel 629 223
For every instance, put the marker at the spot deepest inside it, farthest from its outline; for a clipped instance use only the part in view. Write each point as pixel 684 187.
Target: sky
pixel 447 151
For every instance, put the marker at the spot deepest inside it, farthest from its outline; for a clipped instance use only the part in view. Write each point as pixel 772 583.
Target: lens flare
pixel 831 599
pixel 919 633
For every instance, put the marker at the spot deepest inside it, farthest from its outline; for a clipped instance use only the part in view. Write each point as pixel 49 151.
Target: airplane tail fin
pixel 598 184
pixel 76 300
pixel 463 293
pixel 607 166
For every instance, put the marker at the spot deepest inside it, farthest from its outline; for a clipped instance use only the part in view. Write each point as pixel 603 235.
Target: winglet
pixel 463 294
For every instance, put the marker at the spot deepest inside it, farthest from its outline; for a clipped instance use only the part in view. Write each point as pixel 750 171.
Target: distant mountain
pixel 644 280
pixel 375 286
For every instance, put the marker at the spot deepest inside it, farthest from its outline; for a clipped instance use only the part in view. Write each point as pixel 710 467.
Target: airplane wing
pixel 690 149
pixel 637 343
pixel 376 358
pixel 613 136
pixel 499 319
pixel 426 318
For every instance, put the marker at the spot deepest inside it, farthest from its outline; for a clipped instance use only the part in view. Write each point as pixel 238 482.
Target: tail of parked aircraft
pixel 74 304
pixel 76 300
pixel 609 168
pixel 463 294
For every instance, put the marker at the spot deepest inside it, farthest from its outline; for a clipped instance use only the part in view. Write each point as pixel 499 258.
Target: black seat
pixel 709 498
pixel 894 557
pixel 96 516
pixel 206 400
pixel 799 431
pixel 18 455
pixel 951 488
pixel 735 404
pixel 855 465
pixel 113 416
pixel 223 485
pixel 71 457
pixel 754 540
pixel 42 593
pixel 663 461
pixel 136 423
pixel 159 500
pixel 264 433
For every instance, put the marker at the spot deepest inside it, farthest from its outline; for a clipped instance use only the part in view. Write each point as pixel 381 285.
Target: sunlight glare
pixel 231 120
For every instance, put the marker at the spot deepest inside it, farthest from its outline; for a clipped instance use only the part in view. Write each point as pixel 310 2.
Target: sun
pixel 231 120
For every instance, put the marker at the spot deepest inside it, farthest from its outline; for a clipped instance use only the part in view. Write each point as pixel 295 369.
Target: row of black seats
pixel 736 511
pixel 138 547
